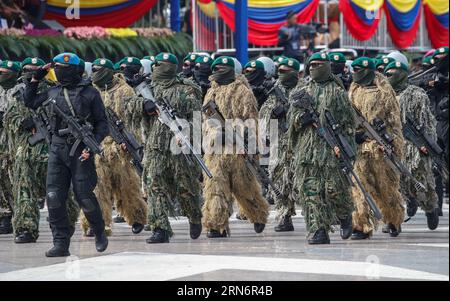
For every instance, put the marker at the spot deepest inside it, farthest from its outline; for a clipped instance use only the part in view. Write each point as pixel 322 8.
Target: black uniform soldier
pixel 79 99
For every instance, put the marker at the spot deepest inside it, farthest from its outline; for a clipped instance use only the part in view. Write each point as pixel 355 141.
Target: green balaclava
pixel 288 78
pixel 103 77
pixel 321 73
pixel 398 79
pixel 224 75
pixel 8 79
pixel 164 72
pixel 364 77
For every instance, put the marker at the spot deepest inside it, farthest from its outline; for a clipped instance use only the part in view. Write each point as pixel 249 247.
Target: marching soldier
pixel 338 60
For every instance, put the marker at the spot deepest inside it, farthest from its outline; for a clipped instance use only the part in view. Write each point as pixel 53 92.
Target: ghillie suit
pixel 380 181
pixel 232 180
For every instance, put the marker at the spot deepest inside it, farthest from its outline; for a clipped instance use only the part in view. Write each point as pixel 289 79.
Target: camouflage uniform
pixel 280 169
pixel 324 192
pixel 118 181
pixel 6 197
pixel 380 181
pixel 170 178
pixel 414 101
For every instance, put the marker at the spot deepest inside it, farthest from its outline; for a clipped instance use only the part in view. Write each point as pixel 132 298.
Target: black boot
pixel 321 237
pixel 393 231
pixel 359 235
pixel 137 228
pixel 118 219
pixel 101 242
pixel 58 250
pixel 346 227
pixel 285 225
pixel 6 225
pixel 159 236
pixel 411 207
pixel 89 232
pixel 259 228
pixel 433 219
pixel 216 234
pixel 24 237
pixel 195 230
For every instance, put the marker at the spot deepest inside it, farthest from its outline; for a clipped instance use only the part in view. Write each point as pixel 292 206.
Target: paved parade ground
pixel 417 254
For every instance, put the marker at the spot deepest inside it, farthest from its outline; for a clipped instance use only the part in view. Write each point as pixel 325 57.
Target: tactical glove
pixel 28 124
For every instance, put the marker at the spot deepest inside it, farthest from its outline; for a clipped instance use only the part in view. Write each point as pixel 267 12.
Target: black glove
pixel 307 119
pixel 279 112
pixel 361 137
pixel 28 124
pixel 302 99
pixel 136 81
pixel 40 74
pixel 150 107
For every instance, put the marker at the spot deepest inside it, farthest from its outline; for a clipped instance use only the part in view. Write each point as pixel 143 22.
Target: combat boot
pixel 216 234
pixel 321 237
pixel 159 236
pixel 393 231
pixel 6 225
pixel 285 225
pixel 137 228
pixel 58 250
pixel 101 242
pixel 440 212
pixel 24 237
pixel 359 235
pixel 411 207
pixel 195 230
pixel 433 219
pixel 259 228
pixel 346 227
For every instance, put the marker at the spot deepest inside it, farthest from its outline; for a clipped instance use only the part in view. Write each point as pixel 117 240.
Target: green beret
pixel 149 57
pixel 35 61
pixel 117 65
pixel 254 64
pixel 166 57
pixel 383 61
pixel 10 65
pixel 396 65
pixel 204 60
pixel 223 60
pixel 291 63
pixel 279 58
pixel 428 60
pixel 130 60
pixel 319 56
pixel 381 55
pixel 336 57
pixel 190 57
pixel 103 63
pixel 364 62
pixel 441 50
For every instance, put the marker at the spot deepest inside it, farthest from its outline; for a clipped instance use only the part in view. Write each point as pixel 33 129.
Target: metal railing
pixel 158 16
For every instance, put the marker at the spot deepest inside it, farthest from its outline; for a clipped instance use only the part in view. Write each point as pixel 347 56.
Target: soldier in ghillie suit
pixel 280 169
pixel 324 192
pixel 415 103
pixel 187 70
pixel 338 60
pixel 202 72
pixel 232 179
pixel 374 97
pixel 256 76
pixel 118 182
pixel 169 177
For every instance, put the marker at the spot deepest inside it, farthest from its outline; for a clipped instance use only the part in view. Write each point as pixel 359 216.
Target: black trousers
pixel 64 170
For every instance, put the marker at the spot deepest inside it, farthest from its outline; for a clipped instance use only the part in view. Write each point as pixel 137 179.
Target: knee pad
pixel 87 205
pixel 53 201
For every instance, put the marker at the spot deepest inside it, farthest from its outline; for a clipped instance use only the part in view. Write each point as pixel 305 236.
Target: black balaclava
pixel 188 71
pixel 442 65
pixel 130 71
pixel 68 76
pixel 256 77
pixel 337 68
pixel 103 77
pixel 224 76
pixel 202 72
pixel 8 79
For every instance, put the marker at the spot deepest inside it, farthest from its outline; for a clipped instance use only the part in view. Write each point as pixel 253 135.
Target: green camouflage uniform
pixel 6 197
pixel 280 168
pixel 169 178
pixel 414 101
pixel 324 192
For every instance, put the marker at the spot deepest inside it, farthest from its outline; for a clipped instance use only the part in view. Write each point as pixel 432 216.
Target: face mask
pixel 68 76
pixel 8 79
pixel 224 75
pixel 256 77
pixel 442 65
pixel 288 79
pixel 103 77
pixel 364 77
pixel 202 73
pixel 337 68
pixel 398 80
pixel 187 72
pixel 130 71
pixel 164 72
pixel 321 73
